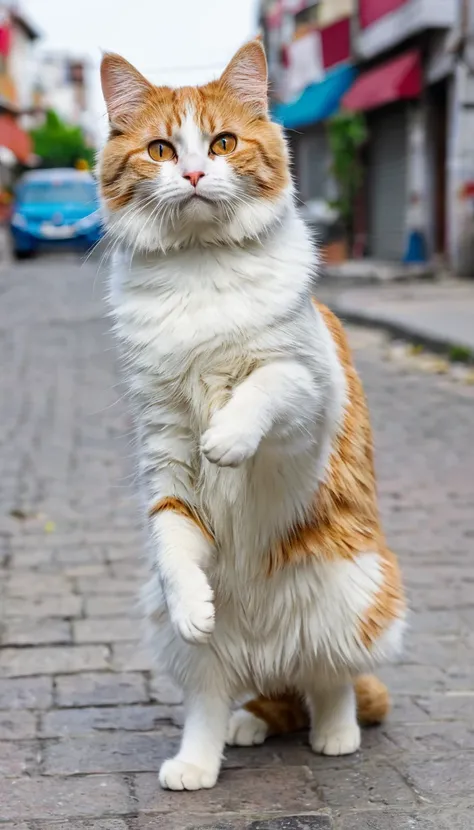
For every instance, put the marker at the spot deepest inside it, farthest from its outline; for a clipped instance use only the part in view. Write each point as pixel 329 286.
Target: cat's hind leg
pixel 262 717
pixel 334 726
pixel 265 716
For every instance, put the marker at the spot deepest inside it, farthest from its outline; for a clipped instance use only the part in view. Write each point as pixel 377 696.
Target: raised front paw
pixel 179 775
pixel 227 442
pixel 193 615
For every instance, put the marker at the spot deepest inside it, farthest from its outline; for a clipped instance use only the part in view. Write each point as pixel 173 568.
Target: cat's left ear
pixel 247 76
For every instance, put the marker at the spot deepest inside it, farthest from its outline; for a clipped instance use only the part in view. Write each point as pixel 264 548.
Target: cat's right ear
pixel 124 88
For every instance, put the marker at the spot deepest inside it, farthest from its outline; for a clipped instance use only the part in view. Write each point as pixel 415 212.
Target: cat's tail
pixel 288 713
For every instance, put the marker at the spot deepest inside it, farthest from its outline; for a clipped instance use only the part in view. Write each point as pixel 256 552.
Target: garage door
pixel 387 167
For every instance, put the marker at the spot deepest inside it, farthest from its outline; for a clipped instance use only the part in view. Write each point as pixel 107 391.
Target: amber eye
pixel 161 151
pixel 224 144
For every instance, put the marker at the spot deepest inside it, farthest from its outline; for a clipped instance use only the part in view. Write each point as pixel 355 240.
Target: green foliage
pixel 347 132
pixel 59 144
pixel 460 354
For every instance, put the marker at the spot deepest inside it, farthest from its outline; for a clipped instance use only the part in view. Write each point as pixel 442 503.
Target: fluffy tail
pixel 288 713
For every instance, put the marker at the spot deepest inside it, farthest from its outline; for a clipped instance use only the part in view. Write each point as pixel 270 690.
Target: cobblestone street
pixel 84 724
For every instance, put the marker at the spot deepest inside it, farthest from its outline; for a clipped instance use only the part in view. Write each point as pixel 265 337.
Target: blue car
pixel 54 208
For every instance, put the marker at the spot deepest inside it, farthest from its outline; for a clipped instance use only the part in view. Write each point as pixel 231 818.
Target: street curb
pixel 435 343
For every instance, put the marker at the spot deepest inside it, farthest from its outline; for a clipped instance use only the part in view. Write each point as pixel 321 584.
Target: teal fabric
pixel 316 102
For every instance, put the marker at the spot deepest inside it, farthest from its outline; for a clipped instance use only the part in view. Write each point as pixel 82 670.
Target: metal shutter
pixel 313 164
pixel 387 189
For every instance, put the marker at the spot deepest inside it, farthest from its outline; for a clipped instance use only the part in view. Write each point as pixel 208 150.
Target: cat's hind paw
pixel 343 740
pixel 246 729
pixel 179 775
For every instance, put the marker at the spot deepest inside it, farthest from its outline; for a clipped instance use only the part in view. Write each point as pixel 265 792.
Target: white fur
pixel 239 395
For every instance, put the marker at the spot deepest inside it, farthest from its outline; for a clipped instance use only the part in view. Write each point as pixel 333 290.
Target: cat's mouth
pixel 198 197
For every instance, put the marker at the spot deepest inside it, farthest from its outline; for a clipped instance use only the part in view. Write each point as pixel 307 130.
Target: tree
pixel 59 144
pixel 347 132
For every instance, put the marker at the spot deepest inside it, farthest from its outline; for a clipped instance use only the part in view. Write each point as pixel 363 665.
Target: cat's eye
pixel 224 144
pixel 161 151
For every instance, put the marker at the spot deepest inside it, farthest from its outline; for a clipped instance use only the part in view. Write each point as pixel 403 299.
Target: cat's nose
pixel 194 177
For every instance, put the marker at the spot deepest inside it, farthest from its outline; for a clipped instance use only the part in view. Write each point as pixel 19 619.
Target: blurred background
pixel 377 100
pixel 377 97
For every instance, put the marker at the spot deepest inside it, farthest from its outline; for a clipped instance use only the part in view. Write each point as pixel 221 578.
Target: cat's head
pixel 197 164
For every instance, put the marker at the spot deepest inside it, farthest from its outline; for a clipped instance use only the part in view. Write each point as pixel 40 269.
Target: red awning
pixel 392 81
pixel 14 138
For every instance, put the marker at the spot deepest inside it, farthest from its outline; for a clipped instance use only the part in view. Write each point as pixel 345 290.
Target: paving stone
pixel 388 820
pixel 69 722
pixel 111 606
pixel 133 657
pixel 27 631
pixel 415 680
pixel 321 821
pixel 42 798
pixel 26 583
pixel 110 585
pixel 433 737
pixel 17 759
pixel 20 662
pixel 364 785
pixel 286 790
pixel 87 824
pixel 117 752
pixel 99 689
pixel 66 606
pixel 106 630
pixel 454 706
pixel 442 779
pixel 26 693
pixel 16 725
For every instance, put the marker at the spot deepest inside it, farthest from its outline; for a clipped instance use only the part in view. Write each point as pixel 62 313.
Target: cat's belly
pixel 291 628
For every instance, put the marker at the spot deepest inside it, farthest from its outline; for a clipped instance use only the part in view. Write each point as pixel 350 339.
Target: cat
pixel 269 571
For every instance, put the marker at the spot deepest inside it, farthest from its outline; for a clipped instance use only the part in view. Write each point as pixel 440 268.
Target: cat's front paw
pixel 179 775
pixel 193 615
pixel 226 443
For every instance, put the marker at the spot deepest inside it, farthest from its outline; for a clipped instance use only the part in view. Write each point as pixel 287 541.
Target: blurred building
pixel 17 38
pixel 61 85
pixel 407 65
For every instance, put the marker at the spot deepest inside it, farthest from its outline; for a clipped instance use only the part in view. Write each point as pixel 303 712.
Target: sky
pixel 172 42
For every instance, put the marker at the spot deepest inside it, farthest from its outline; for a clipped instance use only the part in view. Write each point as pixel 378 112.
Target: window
pixel 308 16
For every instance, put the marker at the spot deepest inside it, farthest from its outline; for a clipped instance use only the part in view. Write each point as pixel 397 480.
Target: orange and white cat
pixel 270 574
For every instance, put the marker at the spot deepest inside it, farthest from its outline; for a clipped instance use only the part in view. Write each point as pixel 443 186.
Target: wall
pixel 332 10
pixel 400 20
pixel 21 66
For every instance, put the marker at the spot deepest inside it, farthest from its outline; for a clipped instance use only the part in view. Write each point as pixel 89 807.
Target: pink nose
pixel 194 177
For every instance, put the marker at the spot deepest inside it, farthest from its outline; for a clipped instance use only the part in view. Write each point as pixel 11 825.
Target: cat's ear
pixel 124 88
pixel 247 76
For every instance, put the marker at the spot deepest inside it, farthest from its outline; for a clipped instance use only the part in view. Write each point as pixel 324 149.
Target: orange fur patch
pixel 344 520
pixel 388 604
pixel 178 506
pixel 288 713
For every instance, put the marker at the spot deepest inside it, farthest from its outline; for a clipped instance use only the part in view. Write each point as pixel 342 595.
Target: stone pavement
pixel 439 313
pixel 84 723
